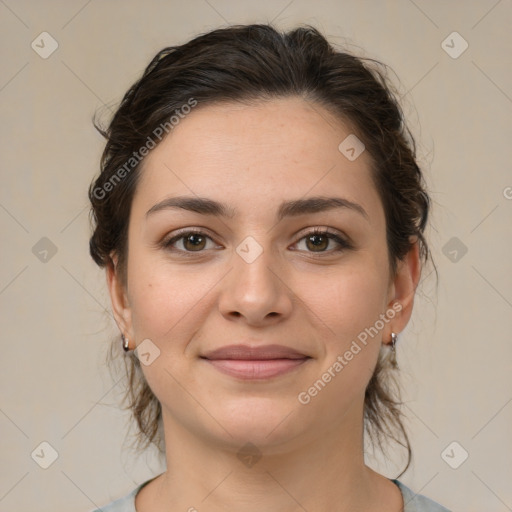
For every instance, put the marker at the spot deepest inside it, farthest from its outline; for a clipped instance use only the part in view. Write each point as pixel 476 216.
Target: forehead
pixel 257 155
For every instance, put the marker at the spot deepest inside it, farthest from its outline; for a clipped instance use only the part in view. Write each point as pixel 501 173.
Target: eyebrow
pixel 205 206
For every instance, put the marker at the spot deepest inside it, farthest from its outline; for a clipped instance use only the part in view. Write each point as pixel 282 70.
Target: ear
pixel 402 289
pixel 120 303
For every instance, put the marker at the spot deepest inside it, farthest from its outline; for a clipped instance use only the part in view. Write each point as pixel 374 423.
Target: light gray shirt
pixel 413 502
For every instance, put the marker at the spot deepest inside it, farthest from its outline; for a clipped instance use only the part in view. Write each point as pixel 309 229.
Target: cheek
pixel 347 300
pixel 167 302
pixel 349 304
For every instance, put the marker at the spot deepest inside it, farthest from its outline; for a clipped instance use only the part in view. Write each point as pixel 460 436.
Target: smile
pixel 256 369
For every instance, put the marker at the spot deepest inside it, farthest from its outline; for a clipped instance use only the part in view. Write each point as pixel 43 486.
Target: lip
pixel 255 363
pixel 256 369
pixel 247 352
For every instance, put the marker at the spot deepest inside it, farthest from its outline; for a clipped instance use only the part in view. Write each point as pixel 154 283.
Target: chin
pixel 261 421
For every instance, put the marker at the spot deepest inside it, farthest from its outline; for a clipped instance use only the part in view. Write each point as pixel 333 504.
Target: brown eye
pixel 318 241
pixel 187 242
pixel 315 242
pixel 194 242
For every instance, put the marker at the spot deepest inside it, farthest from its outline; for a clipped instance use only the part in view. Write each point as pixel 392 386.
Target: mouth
pixel 254 369
pixel 255 363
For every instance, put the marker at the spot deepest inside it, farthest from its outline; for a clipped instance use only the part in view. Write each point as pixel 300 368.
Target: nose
pixel 256 291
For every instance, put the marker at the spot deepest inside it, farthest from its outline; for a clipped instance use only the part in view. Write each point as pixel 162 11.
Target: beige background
pixel 455 354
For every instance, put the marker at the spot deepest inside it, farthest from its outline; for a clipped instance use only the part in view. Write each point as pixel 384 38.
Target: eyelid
pixel 318 229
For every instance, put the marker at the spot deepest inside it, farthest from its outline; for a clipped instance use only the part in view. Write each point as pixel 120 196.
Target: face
pixel 251 276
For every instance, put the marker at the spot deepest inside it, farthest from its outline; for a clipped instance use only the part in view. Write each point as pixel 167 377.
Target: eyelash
pixel 343 244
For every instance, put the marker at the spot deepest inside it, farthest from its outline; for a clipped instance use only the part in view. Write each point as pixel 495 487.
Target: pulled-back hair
pixel 246 63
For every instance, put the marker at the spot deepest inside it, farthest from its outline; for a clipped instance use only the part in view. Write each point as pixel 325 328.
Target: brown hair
pixel 256 62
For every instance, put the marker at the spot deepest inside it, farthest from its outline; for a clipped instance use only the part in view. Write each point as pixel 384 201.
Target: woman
pixel 260 215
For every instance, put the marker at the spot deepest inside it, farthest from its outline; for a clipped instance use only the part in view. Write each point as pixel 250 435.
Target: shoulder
pixel 417 502
pixel 124 504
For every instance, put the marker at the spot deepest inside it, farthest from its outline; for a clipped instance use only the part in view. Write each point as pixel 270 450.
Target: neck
pixel 323 473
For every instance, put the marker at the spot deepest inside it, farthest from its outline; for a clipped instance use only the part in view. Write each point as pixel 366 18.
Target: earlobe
pixel 119 300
